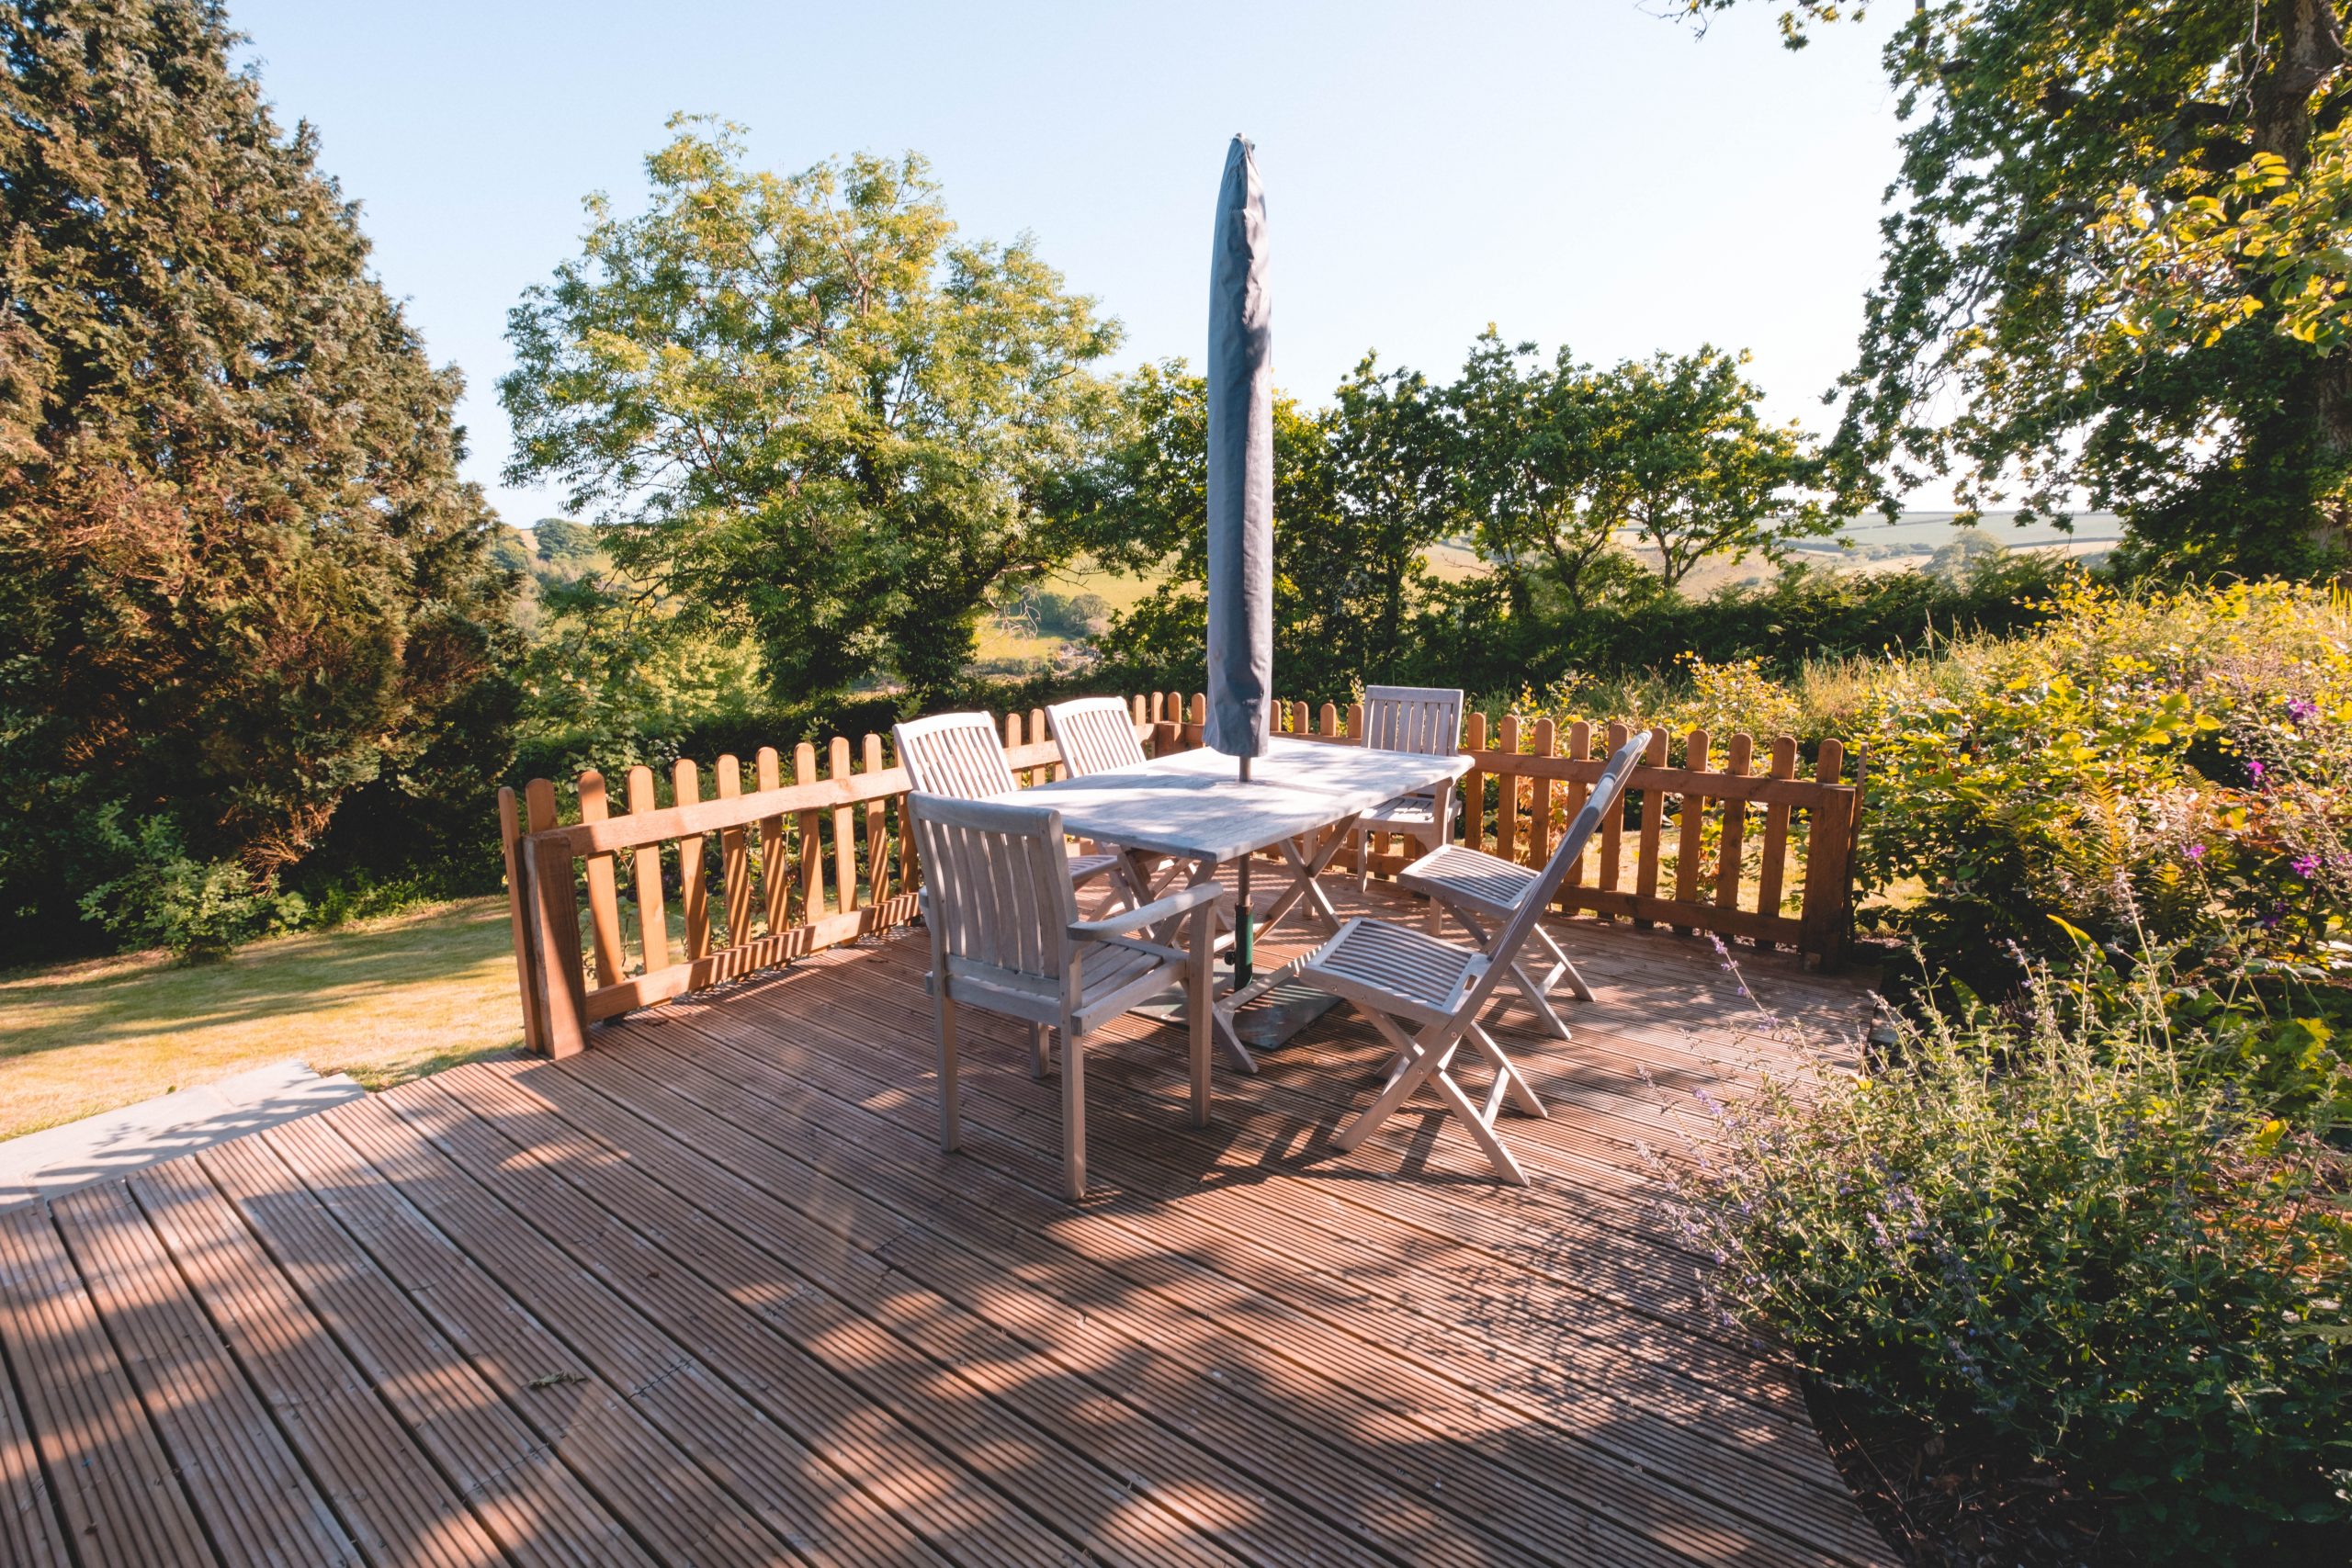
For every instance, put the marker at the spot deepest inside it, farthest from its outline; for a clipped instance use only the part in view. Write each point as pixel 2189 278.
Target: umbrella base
pixel 1265 1021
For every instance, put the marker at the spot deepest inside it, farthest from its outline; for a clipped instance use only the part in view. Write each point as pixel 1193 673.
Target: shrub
pixel 2167 767
pixel 199 910
pixel 2051 1225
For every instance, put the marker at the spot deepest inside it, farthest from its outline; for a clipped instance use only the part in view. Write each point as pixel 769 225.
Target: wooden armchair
pixel 1426 721
pixel 958 755
pixel 1006 939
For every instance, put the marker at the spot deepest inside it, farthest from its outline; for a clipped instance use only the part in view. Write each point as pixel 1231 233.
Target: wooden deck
pixel 709 1294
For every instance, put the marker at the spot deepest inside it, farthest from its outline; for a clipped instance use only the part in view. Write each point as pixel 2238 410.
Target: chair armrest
pixel 1182 902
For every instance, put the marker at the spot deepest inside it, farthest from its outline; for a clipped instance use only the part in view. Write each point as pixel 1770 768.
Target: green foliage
pixel 2165 767
pixel 239 576
pixel 2115 254
pixel 1556 463
pixel 561 541
pixel 2056 1224
pixel 198 910
pixel 810 414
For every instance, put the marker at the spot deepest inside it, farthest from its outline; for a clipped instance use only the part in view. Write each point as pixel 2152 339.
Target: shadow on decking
pixel 710 1293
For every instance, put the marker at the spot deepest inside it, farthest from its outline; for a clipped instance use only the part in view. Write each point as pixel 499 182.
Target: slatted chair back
pixel 996 890
pixel 954 754
pixel 1603 799
pixel 1096 735
pixel 1424 720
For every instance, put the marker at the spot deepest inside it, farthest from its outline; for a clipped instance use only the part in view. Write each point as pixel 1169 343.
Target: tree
pixel 1673 448
pixel 1523 474
pixel 560 541
pixel 1140 506
pixel 2117 249
pixel 239 576
pixel 808 411
pixel 1360 571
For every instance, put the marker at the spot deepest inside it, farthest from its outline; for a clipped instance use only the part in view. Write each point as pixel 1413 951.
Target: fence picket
pixel 844 832
pixel 1732 853
pixel 1613 826
pixel 1693 843
pixel 776 875
pixel 694 899
pixel 735 861
pixel 652 915
pixel 1776 828
pixel 812 854
pixel 878 843
pixel 1506 807
pixel 603 897
pixel 1653 821
pixel 1474 785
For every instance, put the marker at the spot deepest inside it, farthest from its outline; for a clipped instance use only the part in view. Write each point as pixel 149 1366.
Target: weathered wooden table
pixel 1303 798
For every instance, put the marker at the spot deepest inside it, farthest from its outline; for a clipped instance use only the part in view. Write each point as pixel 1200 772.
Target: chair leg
pixel 1200 1002
pixel 1533 992
pixel 1037 1050
pixel 1363 861
pixel 1074 1114
pixel 1575 982
pixel 951 1130
pixel 1507 1072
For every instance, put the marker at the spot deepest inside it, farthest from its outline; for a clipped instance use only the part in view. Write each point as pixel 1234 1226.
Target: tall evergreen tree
pixel 239 576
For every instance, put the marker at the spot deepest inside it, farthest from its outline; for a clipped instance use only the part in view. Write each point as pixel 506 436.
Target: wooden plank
pixel 1613 824
pixel 1731 854
pixel 603 897
pixel 653 913
pixel 31 1533
pixel 735 859
pixel 256 1500
pixel 812 854
pixel 516 1483
pixel 1692 805
pixel 1653 822
pixel 1539 835
pixel 845 833
pixel 1473 783
pixel 1579 748
pixel 380 1482
pixel 776 875
pixel 1507 809
pixel 562 982
pixel 641 1478
pixel 1353 1368
pixel 877 842
pixel 727 1439
pixel 1776 830
pixel 518 917
pixel 694 894
pixel 115 1493
pixel 767 1195
pixel 1829 847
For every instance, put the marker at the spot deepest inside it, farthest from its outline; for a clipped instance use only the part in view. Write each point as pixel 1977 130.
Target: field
pixel 383 1000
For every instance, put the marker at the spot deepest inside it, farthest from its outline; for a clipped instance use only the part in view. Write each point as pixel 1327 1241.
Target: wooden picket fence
pixel 822 860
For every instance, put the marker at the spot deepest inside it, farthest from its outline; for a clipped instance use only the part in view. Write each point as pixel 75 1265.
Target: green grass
pixel 383 1000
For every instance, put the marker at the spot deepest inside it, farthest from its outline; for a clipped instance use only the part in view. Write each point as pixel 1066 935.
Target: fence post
pixel 1829 869
pixel 510 840
pixel 561 988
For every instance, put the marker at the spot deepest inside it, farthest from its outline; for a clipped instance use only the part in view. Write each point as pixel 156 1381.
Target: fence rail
pixel 823 859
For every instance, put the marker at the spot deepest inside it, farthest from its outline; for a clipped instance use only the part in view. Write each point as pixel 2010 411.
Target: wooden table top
pixel 1194 804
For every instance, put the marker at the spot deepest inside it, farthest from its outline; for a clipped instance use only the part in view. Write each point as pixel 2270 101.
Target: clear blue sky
pixel 1578 170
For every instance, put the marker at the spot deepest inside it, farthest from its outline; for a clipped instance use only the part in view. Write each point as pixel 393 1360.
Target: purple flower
pixel 2300 711
pixel 2253 771
pixel 2304 865
pixel 2195 851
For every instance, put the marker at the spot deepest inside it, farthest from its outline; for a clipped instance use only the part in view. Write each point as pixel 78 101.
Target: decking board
pixel 708 1293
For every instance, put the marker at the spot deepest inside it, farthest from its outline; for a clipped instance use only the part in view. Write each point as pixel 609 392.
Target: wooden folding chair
pixel 1483 892
pixel 1005 937
pixel 958 755
pixel 1398 977
pixel 1097 735
pixel 1426 721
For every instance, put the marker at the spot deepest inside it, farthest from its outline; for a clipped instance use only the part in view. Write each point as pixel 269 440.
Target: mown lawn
pixel 383 1000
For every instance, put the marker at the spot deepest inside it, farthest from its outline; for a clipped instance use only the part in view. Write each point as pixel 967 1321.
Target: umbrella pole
pixel 1244 934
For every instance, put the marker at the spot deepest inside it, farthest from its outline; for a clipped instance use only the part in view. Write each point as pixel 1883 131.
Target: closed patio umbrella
pixel 1240 468
pixel 1240 489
